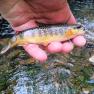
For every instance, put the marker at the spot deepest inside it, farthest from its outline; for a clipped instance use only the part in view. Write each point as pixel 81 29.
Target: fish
pixel 45 35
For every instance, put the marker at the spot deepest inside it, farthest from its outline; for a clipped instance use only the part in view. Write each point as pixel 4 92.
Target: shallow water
pixel 61 74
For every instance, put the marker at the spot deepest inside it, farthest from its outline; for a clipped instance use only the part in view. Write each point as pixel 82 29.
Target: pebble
pixel 85 91
pixel 91 81
pixel 91 59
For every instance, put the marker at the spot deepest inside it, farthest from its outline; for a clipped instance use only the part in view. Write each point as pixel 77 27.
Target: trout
pixel 44 35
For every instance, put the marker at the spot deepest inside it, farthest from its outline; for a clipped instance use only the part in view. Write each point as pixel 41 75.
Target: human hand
pixel 25 14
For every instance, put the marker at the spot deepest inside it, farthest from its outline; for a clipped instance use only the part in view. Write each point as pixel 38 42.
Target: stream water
pixel 61 74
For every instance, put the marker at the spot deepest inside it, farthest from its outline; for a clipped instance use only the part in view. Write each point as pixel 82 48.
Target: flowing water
pixel 61 74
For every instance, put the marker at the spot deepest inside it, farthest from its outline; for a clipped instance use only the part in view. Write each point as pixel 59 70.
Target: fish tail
pixel 6 48
pixel 11 44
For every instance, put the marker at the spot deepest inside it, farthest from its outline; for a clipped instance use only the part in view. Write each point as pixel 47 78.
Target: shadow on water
pixel 61 74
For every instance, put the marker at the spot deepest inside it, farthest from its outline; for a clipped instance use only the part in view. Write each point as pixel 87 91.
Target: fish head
pixel 74 31
pixel 78 29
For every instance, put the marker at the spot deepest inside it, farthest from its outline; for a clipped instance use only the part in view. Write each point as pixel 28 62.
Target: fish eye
pixel 79 26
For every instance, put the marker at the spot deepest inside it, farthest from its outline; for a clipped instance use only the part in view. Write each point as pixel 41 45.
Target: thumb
pixel 28 25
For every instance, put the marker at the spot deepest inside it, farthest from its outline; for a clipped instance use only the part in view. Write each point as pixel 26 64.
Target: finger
pixel 72 19
pixel 54 47
pixel 28 25
pixel 37 53
pixel 79 41
pixel 67 47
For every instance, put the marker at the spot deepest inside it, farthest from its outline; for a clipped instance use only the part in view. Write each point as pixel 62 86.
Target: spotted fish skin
pixel 45 35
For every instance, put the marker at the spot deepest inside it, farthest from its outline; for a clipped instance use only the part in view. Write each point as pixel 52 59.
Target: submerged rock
pixel 91 81
pixel 91 59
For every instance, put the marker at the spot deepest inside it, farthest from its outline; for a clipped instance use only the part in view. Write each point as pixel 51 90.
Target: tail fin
pixel 5 49
pixel 11 44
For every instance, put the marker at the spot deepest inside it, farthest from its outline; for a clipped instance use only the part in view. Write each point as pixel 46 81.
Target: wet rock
pixel 85 91
pixel 91 81
pixel 91 59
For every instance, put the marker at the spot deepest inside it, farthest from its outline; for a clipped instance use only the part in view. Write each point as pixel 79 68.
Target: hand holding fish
pixel 25 14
